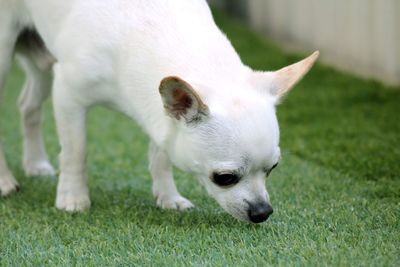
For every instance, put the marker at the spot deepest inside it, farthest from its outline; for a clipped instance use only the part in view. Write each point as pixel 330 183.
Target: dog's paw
pixel 176 202
pixel 8 184
pixel 41 168
pixel 72 201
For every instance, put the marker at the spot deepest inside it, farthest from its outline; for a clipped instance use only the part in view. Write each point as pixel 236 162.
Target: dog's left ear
pixel 181 100
pixel 280 82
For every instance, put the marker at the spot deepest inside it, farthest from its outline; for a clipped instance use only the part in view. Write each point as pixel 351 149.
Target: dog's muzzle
pixel 259 212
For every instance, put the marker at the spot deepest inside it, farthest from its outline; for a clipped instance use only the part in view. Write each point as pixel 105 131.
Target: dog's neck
pixel 205 59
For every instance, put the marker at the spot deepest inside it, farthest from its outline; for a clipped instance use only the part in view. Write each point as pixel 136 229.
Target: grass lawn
pixel 336 193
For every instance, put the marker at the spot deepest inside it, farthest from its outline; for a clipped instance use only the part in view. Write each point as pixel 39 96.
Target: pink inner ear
pixel 182 101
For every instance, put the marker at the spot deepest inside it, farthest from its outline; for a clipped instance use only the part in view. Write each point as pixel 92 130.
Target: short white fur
pixel 116 53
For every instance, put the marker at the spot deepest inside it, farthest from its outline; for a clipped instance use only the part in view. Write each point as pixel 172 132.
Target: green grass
pixel 336 193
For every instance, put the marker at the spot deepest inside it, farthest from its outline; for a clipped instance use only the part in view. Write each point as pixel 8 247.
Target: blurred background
pixel 359 36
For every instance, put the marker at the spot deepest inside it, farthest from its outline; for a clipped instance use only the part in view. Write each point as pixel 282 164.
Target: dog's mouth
pixel 250 212
pixel 238 212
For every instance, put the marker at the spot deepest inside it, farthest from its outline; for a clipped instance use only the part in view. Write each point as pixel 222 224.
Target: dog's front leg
pixel 72 190
pixel 8 35
pixel 164 189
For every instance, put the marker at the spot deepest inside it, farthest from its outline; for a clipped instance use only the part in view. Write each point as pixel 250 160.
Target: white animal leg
pixel 8 184
pixel 72 191
pixel 36 89
pixel 164 189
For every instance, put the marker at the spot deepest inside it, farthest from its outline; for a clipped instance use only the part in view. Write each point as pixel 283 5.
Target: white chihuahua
pixel 163 63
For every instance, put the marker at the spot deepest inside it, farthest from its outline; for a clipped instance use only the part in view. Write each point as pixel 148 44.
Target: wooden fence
pixel 360 36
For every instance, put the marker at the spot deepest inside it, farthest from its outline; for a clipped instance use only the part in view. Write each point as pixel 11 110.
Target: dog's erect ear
pixel 281 81
pixel 181 100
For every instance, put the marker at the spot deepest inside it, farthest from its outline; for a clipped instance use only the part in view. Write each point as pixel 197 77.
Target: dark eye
pixel 225 179
pixel 270 170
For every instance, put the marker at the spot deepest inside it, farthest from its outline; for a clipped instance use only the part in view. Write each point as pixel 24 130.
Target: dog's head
pixel 230 141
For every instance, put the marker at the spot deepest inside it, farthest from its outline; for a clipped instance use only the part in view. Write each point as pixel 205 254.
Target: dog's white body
pixel 116 53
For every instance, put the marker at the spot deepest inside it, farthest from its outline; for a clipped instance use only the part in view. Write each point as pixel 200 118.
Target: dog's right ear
pixel 181 100
pixel 279 83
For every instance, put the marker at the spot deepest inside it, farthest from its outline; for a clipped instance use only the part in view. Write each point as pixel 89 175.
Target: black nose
pixel 259 212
